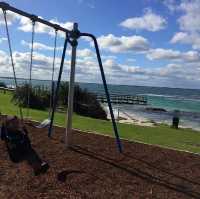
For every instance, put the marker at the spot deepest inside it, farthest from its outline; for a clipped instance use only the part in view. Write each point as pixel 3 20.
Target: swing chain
pixel 54 52
pixel 11 58
pixel 53 71
pixel 33 18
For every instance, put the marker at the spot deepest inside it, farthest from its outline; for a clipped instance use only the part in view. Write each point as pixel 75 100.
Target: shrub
pixel 39 98
pixel 85 103
pixel 2 84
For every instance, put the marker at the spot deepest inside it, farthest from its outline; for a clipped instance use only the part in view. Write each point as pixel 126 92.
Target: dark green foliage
pixel 2 84
pixel 85 103
pixel 39 97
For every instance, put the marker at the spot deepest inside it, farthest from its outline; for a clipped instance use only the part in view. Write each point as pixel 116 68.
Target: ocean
pixel 187 101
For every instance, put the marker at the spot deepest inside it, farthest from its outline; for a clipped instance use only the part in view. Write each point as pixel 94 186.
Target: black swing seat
pixel 17 143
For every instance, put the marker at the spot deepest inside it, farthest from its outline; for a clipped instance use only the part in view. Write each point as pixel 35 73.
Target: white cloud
pixel 187 38
pixel 68 24
pixel 174 74
pixel 42 65
pixel 123 44
pixel 189 24
pixel 159 53
pixel 149 21
pixel 10 16
pixel 169 54
pixel 190 20
pixel 85 52
pixel 179 37
pixel 26 26
pixel 40 46
pixel 2 39
pixel 171 4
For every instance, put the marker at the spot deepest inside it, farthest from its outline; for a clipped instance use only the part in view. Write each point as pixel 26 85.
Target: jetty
pixel 4 89
pixel 123 99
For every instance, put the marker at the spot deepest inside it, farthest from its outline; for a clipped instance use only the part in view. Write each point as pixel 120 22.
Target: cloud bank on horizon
pixel 156 43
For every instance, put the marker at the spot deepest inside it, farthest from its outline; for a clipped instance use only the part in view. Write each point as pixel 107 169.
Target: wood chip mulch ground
pixel 92 168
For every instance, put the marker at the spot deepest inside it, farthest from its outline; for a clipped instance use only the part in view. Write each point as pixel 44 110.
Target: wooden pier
pixel 4 89
pixel 123 99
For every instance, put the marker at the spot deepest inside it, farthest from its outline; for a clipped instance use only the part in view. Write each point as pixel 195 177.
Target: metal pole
pixel 57 87
pixel 68 135
pixel 106 90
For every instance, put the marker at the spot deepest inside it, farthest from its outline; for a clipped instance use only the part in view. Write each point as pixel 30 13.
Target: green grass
pixel 163 135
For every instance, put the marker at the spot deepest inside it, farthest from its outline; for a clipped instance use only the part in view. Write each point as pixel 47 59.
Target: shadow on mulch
pixel 141 174
pixel 62 176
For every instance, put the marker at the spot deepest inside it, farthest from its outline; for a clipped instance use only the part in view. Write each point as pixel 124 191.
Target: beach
pixel 144 117
pixel 187 101
pixel 123 117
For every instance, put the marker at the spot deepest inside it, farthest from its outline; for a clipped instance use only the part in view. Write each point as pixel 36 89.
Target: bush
pixel 85 103
pixel 39 98
pixel 2 84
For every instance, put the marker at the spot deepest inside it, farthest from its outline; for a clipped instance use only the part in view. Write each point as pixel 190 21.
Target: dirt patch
pixel 92 168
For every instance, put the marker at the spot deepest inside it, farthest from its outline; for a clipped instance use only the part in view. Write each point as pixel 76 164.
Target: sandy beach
pixel 123 117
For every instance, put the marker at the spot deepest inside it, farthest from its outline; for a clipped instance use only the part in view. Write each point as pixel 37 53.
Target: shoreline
pixel 125 118
pixel 131 119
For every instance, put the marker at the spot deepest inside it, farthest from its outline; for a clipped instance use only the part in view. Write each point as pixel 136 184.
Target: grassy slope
pixel 184 139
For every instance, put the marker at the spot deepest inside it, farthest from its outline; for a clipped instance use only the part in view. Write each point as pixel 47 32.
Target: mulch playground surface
pixel 93 168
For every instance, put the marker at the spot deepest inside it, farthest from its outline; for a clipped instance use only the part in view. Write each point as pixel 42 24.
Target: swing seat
pixel 16 143
pixel 44 124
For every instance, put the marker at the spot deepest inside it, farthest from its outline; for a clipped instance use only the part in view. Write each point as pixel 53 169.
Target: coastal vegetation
pixel 85 103
pixel 2 84
pixel 163 135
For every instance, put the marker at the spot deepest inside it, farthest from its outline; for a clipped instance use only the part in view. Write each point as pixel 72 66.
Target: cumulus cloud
pixel 123 44
pixel 149 21
pixel 88 70
pixel 187 38
pixel 169 54
pixel 83 53
pixel 190 20
pixel 2 39
pixel 189 24
pixel 171 4
pixel 42 65
pixel 39 46
pixel 25 25
pixel 10 16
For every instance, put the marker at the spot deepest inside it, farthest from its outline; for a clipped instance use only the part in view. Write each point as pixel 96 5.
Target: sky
pixel 146 42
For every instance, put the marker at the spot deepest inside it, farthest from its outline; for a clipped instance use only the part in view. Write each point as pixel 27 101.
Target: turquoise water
pixel 167 98
pixel 170 99
pixel 172 103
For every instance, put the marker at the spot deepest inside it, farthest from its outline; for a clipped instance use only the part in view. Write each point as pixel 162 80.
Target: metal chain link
pixel 30 70
pixel 11 58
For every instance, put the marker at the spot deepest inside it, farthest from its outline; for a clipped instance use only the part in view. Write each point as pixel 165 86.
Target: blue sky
pixel 147 42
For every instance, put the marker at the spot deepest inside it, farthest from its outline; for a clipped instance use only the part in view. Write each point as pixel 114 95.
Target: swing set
pixel 71 37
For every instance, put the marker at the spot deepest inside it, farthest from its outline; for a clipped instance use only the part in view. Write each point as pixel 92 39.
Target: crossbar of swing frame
pixel 6 6
pixel 35 18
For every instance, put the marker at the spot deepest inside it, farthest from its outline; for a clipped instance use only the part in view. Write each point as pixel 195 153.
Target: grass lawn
pixel 163 135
